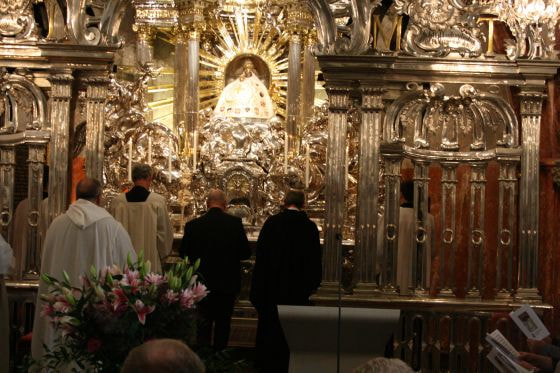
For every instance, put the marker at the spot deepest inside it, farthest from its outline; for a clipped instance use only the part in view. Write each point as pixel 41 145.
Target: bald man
pixel 219 241
pixel 85 235
pixel 163 356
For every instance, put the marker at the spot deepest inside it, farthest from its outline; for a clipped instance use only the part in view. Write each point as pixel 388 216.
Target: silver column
pixel 368 186
pixel 192 99
pixel 335 187
pixel 180 82
pixel 308 80
pixel 531 109
pixel 61 92
pixel 294 89
pixel 35 164
pixel 7 179
pixel 448 227
pixel 392 155
pixel 420 276
pixel 96 95
pixel 475 279
pixel 507 210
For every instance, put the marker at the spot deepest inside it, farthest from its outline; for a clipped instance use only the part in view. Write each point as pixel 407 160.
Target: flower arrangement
pixel 118 309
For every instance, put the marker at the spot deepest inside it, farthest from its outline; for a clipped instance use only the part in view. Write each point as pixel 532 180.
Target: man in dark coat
pixel 220 242
pixel 287 271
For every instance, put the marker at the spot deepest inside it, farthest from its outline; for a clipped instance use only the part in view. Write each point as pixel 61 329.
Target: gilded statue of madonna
pixel 246 96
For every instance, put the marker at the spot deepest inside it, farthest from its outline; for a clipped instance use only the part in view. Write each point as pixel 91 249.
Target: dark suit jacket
pixel 220 242
pixel 288 264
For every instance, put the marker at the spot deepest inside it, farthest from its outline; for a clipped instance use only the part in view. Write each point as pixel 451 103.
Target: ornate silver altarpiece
pixel 229 94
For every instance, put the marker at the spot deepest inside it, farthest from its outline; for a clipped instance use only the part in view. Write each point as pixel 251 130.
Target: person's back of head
pixel 407 191
pixel 141 172
pixel 216 198
pixel 384 365
pixel 294 198
pixel 162 356
pixel 89 189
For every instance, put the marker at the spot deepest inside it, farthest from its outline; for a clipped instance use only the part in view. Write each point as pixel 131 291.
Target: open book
pixel 503 355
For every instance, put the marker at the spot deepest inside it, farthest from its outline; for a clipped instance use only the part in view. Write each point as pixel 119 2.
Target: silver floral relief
pixel 438 28
pixel 16 21
pixel 430 116
pixel 23 104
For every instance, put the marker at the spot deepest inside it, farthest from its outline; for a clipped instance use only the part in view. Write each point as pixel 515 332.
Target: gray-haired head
pixel 141 172
pixel 89 189
pixel 294 198
pixel 163 356
pixel 384 365
pixel 216 198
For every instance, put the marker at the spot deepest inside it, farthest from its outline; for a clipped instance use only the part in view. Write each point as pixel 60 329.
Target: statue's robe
pixel 245 97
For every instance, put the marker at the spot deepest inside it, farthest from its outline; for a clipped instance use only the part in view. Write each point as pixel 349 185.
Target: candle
pixel 149 150
pixel 195 146
pixel 286 152
pixel 307 161
pixel 169 159
pixel 130 159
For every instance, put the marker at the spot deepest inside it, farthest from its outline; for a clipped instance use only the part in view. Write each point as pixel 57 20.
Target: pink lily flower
pixel 199 291
pixel 170 297
pixel 187 299
pixel 142 310
pixel 154 278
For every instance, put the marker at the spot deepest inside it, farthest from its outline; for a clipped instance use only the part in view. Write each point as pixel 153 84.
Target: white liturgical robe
pixel 85 235
pixel 148 225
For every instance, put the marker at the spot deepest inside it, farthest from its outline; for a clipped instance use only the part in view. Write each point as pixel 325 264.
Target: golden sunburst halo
pixel 239 33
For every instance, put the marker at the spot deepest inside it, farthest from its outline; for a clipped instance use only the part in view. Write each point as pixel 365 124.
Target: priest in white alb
pixel 144 215
pixel 85 235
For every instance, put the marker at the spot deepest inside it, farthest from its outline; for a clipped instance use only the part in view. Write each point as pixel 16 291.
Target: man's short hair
pixel 216 196
pixel 88 189
pixel 141 172
pixel 384 365
pixel 407 190
pixel 294 198
pixel 163 356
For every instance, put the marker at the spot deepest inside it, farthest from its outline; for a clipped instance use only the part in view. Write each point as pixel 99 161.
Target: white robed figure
pixel 145 217
pixel 85 235
pixel 245 97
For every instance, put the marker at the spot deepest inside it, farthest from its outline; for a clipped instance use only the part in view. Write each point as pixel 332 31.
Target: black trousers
pixel 273 353
pixel 215 312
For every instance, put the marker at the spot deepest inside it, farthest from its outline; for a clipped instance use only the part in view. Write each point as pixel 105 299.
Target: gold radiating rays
pixel 239 33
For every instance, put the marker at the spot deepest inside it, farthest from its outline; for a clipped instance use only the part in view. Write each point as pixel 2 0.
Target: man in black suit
pixel 220 242
pixel 287 271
